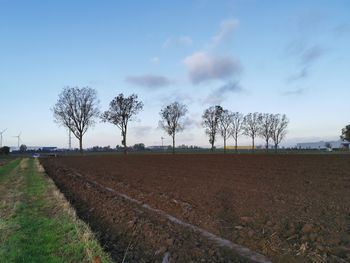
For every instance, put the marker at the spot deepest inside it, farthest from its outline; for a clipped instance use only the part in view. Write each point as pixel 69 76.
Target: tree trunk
pixel 224 144
pixel 253 145
pixel 125 149
pixel 267 145
pixel 236 147
pixel 81 145
pixel 124 141
pixel 276 146
pixel 174 144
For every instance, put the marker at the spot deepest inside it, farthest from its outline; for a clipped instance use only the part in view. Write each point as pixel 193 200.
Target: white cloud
pixel 149 81
pixel 185 41
pixel 307 56
pixel 294 92
pixel 226 29
pixel 142 131
pixel 155 60
pixel 312 54
pixel 219 95
pixel 203 67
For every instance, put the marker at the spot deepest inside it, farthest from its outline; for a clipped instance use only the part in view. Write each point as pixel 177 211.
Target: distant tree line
pixel 77 109
pixel 138 147
pixel 4 150
pixel 268 126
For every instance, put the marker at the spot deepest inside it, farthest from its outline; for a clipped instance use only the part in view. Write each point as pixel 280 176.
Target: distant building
pixel 321 145
pixel 240 147
pixel 49 149
pixel 158 147
pixel 35 149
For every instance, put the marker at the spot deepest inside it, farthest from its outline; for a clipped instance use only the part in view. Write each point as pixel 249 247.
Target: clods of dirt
pixel 291 208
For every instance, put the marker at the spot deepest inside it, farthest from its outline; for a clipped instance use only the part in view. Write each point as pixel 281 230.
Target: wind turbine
pixel 1 137
pixel 18 138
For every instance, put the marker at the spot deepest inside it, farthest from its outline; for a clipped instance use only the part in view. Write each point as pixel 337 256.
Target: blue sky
pixel 287 57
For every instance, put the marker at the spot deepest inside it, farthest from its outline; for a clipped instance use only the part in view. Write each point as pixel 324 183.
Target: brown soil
pixel 291 208
pixel 3 162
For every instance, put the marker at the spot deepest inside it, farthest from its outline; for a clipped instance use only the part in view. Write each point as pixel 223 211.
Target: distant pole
pixel 69 135
pixel 17 141
pixel 1 137
pixel 18 138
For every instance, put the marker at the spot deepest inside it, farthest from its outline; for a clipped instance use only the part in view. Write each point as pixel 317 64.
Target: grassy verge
pixel 36 222
pixel 6 169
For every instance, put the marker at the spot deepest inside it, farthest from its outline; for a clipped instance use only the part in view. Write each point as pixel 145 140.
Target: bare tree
pixel 171 117
pixel 225 125
pixel 210 121
pixel 345 133
pixel 121 111
pixel 77 109
pixel 237 125
pixel 328 145
pixel 265 130
pixel 251 126
pixel 23 148
pixel 279 128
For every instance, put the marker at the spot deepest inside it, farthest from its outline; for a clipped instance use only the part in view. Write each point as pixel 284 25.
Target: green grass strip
pixel 44 235
pixel 7 168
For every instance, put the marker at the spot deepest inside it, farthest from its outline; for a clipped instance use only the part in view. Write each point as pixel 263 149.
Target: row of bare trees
pixel 219 121
pixel 77 109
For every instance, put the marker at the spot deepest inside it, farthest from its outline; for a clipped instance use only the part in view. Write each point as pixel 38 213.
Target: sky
pixel 288 57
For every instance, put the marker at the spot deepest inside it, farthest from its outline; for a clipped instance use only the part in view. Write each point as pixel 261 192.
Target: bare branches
pixel 225 125
pixel 237 126
pixel 266 128
pixel 171 117
pixel 251 126
pixel 279 128
pixel 76 109
pixel 210 121
pixel 266 125
pixel 345 133
pixel 121 111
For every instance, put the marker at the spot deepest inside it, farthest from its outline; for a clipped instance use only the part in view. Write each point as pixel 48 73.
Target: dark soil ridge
pixel 240 250
pixel 209 245
pixel 290 208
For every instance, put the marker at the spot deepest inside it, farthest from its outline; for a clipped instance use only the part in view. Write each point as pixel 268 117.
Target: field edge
pixel 38 223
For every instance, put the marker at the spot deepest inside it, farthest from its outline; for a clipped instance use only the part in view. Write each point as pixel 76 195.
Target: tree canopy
pixel 77 110
pixel 121 111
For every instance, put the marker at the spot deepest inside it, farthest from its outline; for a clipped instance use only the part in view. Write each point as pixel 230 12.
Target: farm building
pixel 324 145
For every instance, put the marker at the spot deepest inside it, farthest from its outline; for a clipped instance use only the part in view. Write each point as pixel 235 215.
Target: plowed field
pixel 290 208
